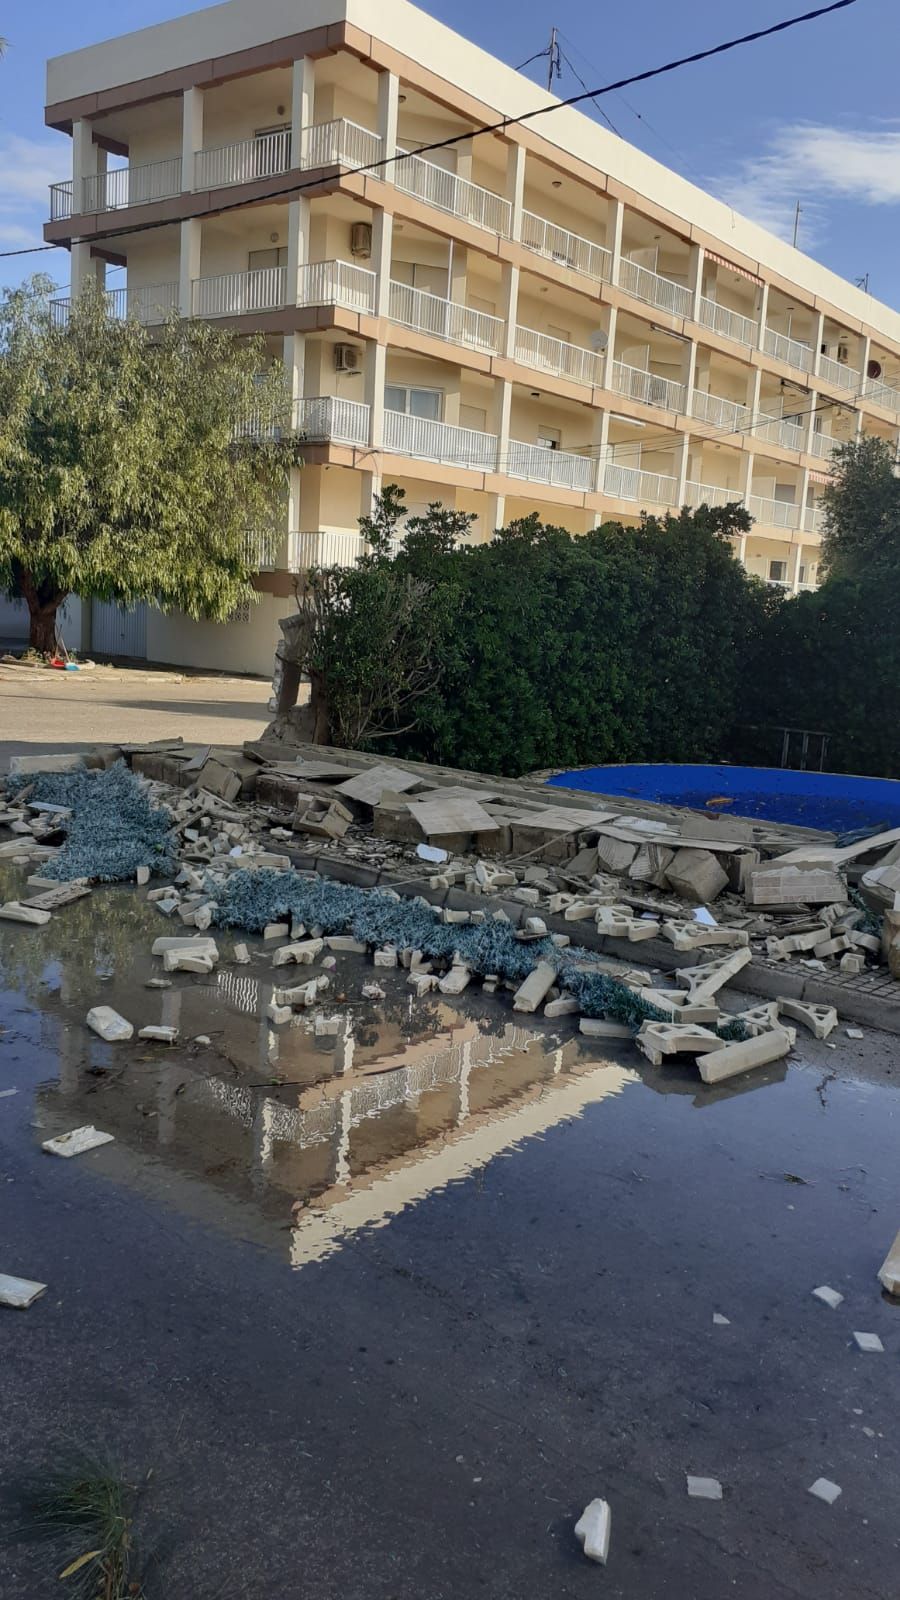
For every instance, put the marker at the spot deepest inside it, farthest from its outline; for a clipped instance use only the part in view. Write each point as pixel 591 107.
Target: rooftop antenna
pixel 863 283
pixel 797 215
pixel 554 64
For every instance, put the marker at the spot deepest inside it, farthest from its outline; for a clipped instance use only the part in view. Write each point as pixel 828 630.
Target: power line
pixel 576 74
pixel 504 122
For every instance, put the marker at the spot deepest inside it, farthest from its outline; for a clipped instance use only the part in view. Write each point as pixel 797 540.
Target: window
pixel 257 260
pixel 428 403
pixel 778 571
pixel 548 438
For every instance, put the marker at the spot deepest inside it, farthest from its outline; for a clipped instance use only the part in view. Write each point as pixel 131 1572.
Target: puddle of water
pixel 271 1128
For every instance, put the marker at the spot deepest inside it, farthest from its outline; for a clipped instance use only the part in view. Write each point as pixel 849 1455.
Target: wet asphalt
pixel 425 1410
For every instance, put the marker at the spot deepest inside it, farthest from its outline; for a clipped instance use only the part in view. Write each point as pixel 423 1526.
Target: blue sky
pixel 811 115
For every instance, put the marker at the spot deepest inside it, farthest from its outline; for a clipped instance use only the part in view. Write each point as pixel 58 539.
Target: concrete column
pixel 746 484
pixel 818 336
pixel 742 549
pixel 85 269
pixel 502 411
pixel 85 161
pixel 794 562
pixel 388 111
pixel 812 406
pixel 303 94
pixel 457 273
pixel 376 367
pixel 191 135
pixel 294 360
pixel 509 307
pixel 189 264
pixel 763 315
pixel 496 514
pixel 382 246
pixel 297 249
pixel 682 469
pixel 463 160
pixel 865 352
pixel 515 186
pixel 370 489
pixel 754 382
pixel 611 347
pixel 600 446
pixel 695 278
pixel 690 372
pixel 614 240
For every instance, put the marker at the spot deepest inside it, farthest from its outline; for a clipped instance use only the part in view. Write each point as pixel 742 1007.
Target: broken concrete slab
pixel 869 1343
pixel 600 1028
pixel 106 1022
pixel 32 916
pixel 565 1006
pixel 889 1271
pixel 658 1039
pixel 19 1293
pixel 694 936
pixel 52 899
pixel 820 1020
pixel 828 1297
pixel 304 953
pixel 592 1530
pixel 158 1034
pixel 456 980
pixel 824 1489
pixel 772 884
pixel 26 766
pixel 216 778
pixel 367 787
pixel 706 979
pixel 615 855
pixel 696 875
pixel 734 1059
pixel 76 1143
pixel 459 816
pixel 187 961
pixel 703 1488
pixel 534 990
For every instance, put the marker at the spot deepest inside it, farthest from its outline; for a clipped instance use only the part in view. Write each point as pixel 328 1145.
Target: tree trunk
pixel 43 600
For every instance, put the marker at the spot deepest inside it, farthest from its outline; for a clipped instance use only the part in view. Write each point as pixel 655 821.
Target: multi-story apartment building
pixel 542 318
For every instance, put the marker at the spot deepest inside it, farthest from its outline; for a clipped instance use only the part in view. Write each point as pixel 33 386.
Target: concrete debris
pixel 14 911
pixel 158 1035
pixel 658 1039
pixel 565 1006
pixel 696 875
pixel 828 1297
pixel 52 898
pixel 241 955
pixel 719 1321
pixel 705 980
pixel 824 1489
pixel 820 1020
pixel 535 988
pixel 77 1142
pixel 599 1028
pixel 27 766
pixel 141 876
pixel 704 1488
pixel 775 885
pixel 869 1342
pixel 593 1529
pixel 372 991
pixel 304 953
pixel 854 1033
pixel 108 1024
pixel 889 1271
pixel 20 1293
pixel 734 1059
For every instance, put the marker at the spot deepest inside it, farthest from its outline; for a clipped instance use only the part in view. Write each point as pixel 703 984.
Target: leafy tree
pixel 129 464
pixel 862 511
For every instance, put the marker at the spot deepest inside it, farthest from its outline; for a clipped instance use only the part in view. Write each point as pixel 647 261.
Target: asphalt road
pixel 427 1410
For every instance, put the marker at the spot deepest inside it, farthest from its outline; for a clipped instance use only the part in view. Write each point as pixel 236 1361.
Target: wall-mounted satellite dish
pixel 599 341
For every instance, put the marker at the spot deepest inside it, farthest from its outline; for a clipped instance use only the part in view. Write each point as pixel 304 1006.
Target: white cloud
pixel 27 168
pixel 814 163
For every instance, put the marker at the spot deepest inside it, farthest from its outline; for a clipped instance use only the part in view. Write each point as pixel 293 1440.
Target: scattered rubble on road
pixel 704 1488
pixel 824 1489
pixel 19 1293
pixel 317 850
pixel 889 1271
pixel 77 1142
pixel 593 1529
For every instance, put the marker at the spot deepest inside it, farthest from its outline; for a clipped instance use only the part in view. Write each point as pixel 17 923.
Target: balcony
pixel 781 430
pixel 656 291
pixel 444 190
pixel 838 373
pixel 882 394
pixel 774 513
pixel 630 483
pixel 444 319
pixel 538 350
pixel 440 441
pixel 567 249
pixel 792 351
pixel 334 283
pixel 729 415
pixel 260 157
pixel 822 445
pixel 560 467
pixel 638 384
pixel 324 548
pixel 340 143
pixel 149 303
pixel 327 419
pixel 814 519
pixel 709 494
pixel 730 324
pixel 61 206
pixel 132 186
pixel 261 550
pixel 234 294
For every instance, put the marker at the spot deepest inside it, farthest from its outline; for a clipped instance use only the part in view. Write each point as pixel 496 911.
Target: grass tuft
pixel 87 1508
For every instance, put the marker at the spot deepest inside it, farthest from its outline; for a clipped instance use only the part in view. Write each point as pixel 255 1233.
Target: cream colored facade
pixel 542 319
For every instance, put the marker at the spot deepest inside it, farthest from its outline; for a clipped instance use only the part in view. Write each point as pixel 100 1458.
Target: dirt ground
pixel 45 710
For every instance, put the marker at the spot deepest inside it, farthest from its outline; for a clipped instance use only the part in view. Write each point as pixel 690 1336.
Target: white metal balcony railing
pixel 720 413
pixel 327 418
pixel 792 351
pixel 568 249
pixel 447 192
pixel 709 494
pixel 440 441
pixel 649 286
pixel 233 294
pixel 323 548
pixel 839 373
pixel 61 202
pixel 562 468
pixel 781 430
pixel 149 303
pixel 336 283
pixel 814 518
pixel 131 186
pixel 774 513
pixel 261 550
pixel 883 394
pixel 241 162
pixel 639 384
pixel 631 483
pixel 546 354
pixel 730 324
pixel 340 143
pixel 444 319
pixel 822 445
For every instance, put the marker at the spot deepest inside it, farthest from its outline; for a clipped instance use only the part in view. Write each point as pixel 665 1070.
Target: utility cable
pixel 496 127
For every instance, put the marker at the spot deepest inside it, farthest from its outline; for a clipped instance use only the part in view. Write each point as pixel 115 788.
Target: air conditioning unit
pixel 361 240
pixel 347 358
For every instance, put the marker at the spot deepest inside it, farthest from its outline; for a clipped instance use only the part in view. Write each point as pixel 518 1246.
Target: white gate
pixel 117 631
